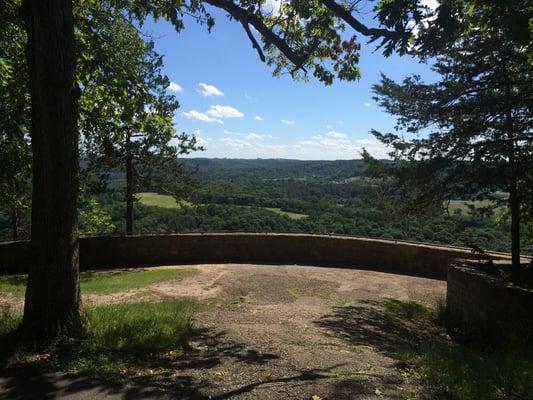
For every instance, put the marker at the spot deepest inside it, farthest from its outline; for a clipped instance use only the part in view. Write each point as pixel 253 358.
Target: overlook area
pixel 272 332
pixel 266 199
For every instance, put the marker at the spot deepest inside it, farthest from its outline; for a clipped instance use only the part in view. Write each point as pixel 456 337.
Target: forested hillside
pixel 328 197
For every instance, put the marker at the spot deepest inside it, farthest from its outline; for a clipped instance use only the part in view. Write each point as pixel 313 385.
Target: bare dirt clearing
pixel 290 332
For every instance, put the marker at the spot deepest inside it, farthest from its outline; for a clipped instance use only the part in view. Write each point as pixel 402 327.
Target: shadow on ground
pixel 185 378
pixel 368 324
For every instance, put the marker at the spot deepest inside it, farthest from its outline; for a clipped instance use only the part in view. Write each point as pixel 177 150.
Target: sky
pixel 234 106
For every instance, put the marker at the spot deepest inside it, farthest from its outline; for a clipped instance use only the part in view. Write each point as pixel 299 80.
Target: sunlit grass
pixel 103 282
pixel 123 340
pixel 166 201
pixel 119 281
pixel 161 200
pixel 291 215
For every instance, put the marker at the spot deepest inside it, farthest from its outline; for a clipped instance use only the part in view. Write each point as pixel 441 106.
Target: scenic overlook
pixel 266 199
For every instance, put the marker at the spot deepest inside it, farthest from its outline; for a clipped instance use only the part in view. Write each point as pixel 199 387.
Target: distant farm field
pixel 160 200
pixel 166 201
pixel 464 205
pixel 291 215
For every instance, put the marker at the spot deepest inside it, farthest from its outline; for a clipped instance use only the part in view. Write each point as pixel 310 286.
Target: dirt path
pixel 292 332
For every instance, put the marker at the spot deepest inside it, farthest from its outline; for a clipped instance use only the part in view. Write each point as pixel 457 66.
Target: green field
pixel 161 200
pixel 103 282
pixel 291 215
pixel 463 205
pixel 166 201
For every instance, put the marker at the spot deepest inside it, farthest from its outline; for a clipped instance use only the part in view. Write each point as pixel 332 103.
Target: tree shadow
pixel 182 378
pixel 387 329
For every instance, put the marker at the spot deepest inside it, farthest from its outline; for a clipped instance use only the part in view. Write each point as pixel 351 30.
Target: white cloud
pixel 258 136
pixel 235 143
pixel 201 117
pixel 258 118
pixel 336 135
pixel 219 111
pixel 255 136
pixel 202 141
pixel 336 145
pixel 288 122
pixel 209 90
pixel 366 104
pixel 228 132
pixel 174 87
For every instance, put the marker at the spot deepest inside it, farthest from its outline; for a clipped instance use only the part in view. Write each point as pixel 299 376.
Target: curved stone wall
pixel 483 307
pixel 335 251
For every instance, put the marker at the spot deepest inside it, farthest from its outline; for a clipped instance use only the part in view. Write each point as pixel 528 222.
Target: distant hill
pixel 274 168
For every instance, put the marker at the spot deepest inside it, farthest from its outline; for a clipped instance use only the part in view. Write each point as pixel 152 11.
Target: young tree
pixel 14 125
pixel 470 133
pixel 126 110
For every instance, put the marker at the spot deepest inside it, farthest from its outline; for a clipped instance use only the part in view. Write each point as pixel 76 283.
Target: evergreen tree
pixel 470 133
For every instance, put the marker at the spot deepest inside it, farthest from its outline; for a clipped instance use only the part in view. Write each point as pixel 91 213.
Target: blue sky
pixel 237 109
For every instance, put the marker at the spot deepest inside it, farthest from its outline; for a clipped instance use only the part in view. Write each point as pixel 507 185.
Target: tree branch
pixel 248 18
pixel 346 15
pixel 255 45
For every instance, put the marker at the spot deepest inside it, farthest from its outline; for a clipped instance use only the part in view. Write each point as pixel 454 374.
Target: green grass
pixel 294 292
pixel 166 201
pixel 452 371
pixel 13 284
pixel 161 200
pixel 103 282
pixel 463 206
pixel 120 281
pixel 125 341
pixel 291 215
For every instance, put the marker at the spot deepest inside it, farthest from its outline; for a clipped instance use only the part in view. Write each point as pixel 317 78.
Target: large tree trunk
pixel 129 186
pixel 53 303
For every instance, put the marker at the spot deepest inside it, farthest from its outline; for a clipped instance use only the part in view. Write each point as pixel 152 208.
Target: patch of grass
pixel 404 310
pixel 327 295
pixel 103 282
pixel 453 371
pixel 463 206
pixel 294 292
pixel 13 284
pixel 468 373
pixel 291 215
pixel 161 200
pixel 125 340
pixel 119 281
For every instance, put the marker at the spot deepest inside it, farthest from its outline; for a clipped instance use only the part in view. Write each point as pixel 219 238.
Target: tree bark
pixel 53 304
pixel 15 223
pixel 515 231
pixel 129 186
pixel 514 201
